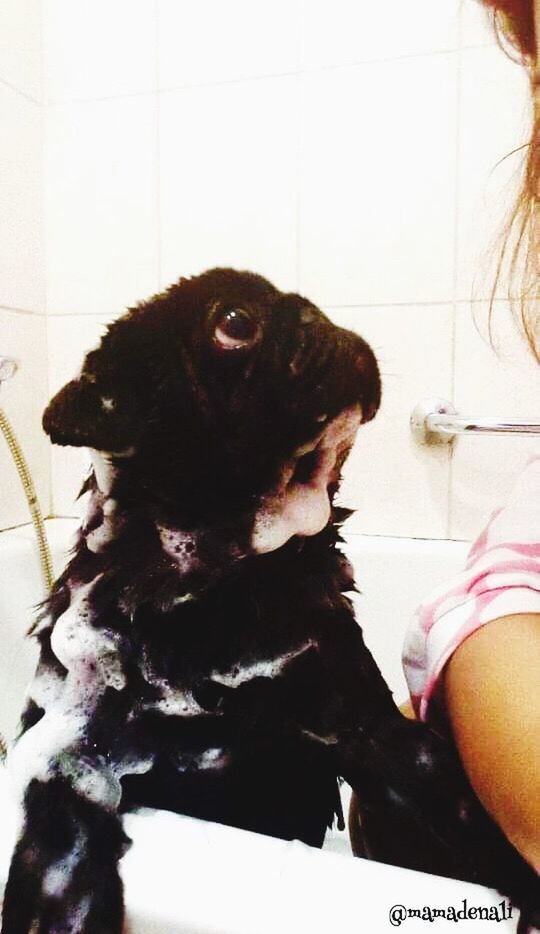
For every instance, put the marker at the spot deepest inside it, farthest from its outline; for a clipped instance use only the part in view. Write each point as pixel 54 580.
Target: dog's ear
pixel 82 415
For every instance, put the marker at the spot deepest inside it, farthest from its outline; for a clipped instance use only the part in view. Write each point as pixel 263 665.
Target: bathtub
pixel 185 875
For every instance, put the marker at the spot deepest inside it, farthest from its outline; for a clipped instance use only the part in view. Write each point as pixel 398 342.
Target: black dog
pixel 199 653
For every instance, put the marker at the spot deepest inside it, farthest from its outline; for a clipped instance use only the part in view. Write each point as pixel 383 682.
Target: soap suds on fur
pixel 270 668
pixel 303 508
pixel 53 746
pixel 59 875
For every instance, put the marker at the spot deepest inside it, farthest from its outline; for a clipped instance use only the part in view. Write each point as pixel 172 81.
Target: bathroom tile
pixel 211 41
pixel 70 338
pixel 494 121
pixel 475 24
pixel 20 45
pixel 21 236
pixel 377 182
pixel 101 205
pixel 396 486
pixel 228 179
pixel 345 32
pixel 23 398
pixel 502 385
pixel 98 49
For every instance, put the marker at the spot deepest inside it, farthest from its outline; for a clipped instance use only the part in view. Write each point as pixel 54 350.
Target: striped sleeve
pixel 501 578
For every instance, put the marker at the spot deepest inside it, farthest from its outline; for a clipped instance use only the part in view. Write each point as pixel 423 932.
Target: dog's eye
pixel 236 329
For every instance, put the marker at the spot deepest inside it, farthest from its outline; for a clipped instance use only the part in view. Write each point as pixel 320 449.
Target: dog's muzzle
pixel 299 503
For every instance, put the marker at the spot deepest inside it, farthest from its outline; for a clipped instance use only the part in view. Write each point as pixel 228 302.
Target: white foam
pixel 424 759
pixel 215 757
pixel 59 875
pixel 46 687
pixel 53 744
pixel 174 702
pixel 269 668
pixel 78 914
pixel 92 778
pixel 183 598
pixel 37 753
pixel 303 508
pixel 90 651
pixel 104 470
pixel 299 511
pixel 181 547
pixel 180 702
pixel 105 533
pixel 132 764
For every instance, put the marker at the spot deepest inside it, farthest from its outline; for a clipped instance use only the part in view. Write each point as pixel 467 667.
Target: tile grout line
pixel 453 351
pixel 44 124
pixel 447 303
pixel 271 75
pixel 16 90
pixel 159 245
pixel 298 205
pixel 50 504
pixel 22 311
pixel 299 150
pixel 42 54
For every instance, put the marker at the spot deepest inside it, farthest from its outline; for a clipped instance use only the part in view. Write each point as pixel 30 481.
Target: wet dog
pixel 200 653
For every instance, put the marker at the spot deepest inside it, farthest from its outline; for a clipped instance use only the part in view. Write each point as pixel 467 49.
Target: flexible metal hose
pixel 45 559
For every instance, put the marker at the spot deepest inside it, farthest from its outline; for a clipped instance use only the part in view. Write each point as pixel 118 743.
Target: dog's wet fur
pixel 200 652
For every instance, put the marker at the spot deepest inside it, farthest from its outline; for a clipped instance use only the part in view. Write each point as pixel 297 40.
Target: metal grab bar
pixel 436 421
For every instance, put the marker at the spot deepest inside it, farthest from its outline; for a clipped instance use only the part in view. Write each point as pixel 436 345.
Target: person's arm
pixel 493 700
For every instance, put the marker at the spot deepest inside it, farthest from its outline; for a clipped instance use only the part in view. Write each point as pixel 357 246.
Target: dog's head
pixel 222 403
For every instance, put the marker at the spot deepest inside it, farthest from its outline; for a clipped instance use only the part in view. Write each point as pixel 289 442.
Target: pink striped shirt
pixel 501 578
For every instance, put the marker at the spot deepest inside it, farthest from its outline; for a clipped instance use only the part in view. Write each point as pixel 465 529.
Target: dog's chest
pixel 199 686
pixel 195 682
pixel 204 714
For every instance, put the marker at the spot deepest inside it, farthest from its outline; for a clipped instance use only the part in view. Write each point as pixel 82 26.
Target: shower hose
pixel 35 513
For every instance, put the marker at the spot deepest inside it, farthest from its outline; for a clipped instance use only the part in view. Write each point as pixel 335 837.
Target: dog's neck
pixel 142 547
pixel 152 550
pixel 297 503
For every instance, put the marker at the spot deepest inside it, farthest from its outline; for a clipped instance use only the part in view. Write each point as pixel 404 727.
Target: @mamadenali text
pixel 399 914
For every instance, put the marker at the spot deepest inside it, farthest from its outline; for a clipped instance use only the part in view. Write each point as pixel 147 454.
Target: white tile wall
pixel 20 46
pixel 21 254
pixel 208 41
pixel 346 31
pixel 99 49
pixel 101 205
pixel 23 397
pixel 377 182
pixel 228 179
pixel 502 383
pixel 494 121
pixel 22 300
pixel 70 337
pixel 475 24
pixel 394 485
pixel 343 149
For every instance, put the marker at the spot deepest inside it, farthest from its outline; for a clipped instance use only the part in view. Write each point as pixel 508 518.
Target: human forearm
pixel 492 697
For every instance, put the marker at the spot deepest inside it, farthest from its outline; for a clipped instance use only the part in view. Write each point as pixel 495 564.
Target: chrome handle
pixel 436 421
pixel 8 368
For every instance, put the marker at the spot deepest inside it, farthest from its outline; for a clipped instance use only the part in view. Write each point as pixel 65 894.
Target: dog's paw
pixel 416 809
pixel 64 876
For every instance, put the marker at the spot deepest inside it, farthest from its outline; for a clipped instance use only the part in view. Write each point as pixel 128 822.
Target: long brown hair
pixel 514 24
